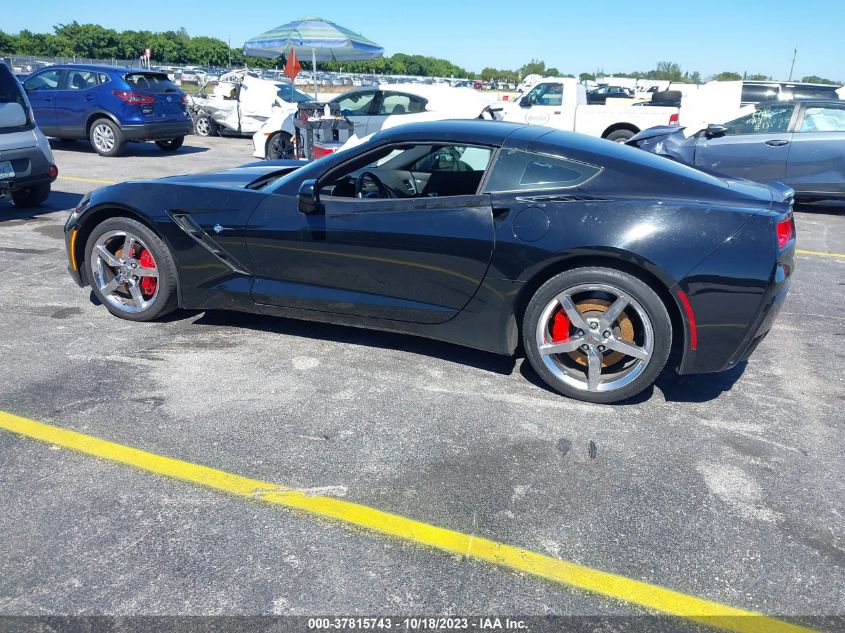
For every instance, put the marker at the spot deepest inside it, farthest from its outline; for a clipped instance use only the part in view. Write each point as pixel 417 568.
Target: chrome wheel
pixel 125 271
pixel 595 337
pixel 103 138
pixel 202 126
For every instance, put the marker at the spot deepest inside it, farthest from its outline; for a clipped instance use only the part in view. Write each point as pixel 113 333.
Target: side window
pixel 48 80
pixel 103 78
pixel 516 170
pixel 396 103
pixel 81 80
pixel 768 120
pixel 412 171
pixel 357 103
pixel 824 119
pixel 546 95
pixel 755 93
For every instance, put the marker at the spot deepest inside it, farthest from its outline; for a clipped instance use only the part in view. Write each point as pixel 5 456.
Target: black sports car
pixel 600 257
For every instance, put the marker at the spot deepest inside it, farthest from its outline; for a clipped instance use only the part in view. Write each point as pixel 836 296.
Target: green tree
pixel 757 77
pixel 8 42
pixel 815 79
pixel 587 77
pixel 694 77
pixel 726 76
pixel 534 67
pixel 667 71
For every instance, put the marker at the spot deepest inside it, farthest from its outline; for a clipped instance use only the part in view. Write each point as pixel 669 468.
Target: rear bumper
pixel 158 131
pixel 31 166
pixel 736 295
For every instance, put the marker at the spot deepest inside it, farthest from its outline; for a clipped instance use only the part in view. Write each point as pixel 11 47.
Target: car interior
pixel 416 171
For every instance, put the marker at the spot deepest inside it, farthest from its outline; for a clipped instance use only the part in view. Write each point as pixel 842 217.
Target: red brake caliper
pixel 560 327
pixel 148 284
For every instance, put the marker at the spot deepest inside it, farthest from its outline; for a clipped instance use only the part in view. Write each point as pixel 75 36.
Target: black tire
pixel 165 301
pixel 620 136
pixel 172 144
pixel 643 295
pixel 279 145
pixel 32 196
pixel 204 125
pixel 99 138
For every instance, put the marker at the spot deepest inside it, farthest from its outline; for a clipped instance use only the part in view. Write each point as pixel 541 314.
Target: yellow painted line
pixel 94 180
pixel 819 253
pixel 628 590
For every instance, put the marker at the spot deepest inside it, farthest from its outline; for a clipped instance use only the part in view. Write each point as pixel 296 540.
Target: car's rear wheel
pixel 131 270
pixel 32 196
pixel 597 334
pixel 172 144
pixel 620 136
pixel 280 145
pixel 107 138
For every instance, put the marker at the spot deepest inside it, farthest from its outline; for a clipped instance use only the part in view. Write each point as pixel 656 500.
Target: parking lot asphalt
pixel 726 487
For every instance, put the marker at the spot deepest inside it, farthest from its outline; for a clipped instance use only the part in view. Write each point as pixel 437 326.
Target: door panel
pixel 817 157
pixel 418 259
pixel 758 157
pixel 41 89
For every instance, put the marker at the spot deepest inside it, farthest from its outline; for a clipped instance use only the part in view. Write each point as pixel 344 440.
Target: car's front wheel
pixel 107 138
pixel 204 125
pixel 131 270
pixel 597 334
pixel 171 144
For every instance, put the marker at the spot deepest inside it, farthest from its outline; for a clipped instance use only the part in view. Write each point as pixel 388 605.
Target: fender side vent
pixel 187 224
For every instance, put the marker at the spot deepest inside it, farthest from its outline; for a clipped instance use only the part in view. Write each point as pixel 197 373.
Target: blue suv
pixel 109 105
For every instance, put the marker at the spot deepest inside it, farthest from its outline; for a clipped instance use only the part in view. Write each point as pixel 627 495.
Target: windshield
pixel 151 82
pixel 290 94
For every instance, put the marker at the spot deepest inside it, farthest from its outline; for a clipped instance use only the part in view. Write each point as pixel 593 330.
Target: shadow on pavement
pixel 358 336
pixel 132 149
pixel 58 201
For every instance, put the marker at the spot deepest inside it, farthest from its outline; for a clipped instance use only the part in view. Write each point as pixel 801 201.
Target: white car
pixel 242 104
pixel 372 108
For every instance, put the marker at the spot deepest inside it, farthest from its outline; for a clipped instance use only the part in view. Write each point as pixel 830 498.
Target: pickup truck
pixel 562 103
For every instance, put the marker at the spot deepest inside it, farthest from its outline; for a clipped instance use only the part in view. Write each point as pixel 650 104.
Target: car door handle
pixel 778 142
pixel 557 111
pixel 500 211
pixel 89 98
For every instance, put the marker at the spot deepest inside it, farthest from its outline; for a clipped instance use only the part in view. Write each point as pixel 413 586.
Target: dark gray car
pixel 799 143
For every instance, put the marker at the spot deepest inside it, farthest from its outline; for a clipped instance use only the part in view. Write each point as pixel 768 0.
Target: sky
pixel 582 36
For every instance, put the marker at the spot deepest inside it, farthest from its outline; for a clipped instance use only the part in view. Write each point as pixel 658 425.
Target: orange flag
pixel 292 65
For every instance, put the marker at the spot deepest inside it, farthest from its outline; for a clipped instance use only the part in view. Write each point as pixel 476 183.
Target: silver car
pixel 799 143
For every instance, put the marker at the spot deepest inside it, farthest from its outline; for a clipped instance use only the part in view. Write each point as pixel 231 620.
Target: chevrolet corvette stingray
pixel 598 260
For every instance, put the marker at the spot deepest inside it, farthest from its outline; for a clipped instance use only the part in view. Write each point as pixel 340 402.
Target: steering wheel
pixel 383 191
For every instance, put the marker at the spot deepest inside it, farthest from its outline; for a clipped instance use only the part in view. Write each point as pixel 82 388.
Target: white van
pixel 27 167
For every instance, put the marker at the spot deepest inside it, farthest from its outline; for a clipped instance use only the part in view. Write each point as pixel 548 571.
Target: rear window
pixel 516 170
pixel 12 92
pixel 757 93
pixel 150 82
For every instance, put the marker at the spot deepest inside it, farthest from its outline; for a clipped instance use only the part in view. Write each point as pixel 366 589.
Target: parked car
pixel 561 102
pixel 799 143
pixel 375 107
pixel 27 167
pixel 109 105
pixel 600 95
pixel 602 257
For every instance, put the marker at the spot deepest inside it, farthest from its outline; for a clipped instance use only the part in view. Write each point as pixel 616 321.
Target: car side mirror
pixel 526 101
pixel 309 198
pixel 715 130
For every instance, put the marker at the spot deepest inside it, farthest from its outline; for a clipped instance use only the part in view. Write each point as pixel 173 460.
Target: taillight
pixel 134 98
pixel 185 100
pixel 674 119
pixel 785 231
pixel 53 172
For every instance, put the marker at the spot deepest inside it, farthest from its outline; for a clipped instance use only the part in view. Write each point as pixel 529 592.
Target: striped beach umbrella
pixel 318 38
